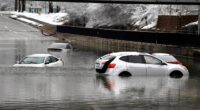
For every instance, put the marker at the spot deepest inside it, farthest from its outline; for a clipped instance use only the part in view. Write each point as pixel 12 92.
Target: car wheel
pixel 125 74
pixel 176 74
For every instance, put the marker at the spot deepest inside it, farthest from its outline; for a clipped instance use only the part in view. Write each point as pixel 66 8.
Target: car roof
pixel 59 43
pixel 39 55
pixel 160 54
pixel 129 53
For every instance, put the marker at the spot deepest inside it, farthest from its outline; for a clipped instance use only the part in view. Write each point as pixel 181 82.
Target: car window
pixel 53 59
pixel 135 59
pixel 132 59
pixel 152 60
pixel 32 60
pixel 48 60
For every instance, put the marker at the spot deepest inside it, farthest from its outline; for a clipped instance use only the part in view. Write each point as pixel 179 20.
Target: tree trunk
pixel 19 5
pixel 23 5
pixel 16 5
pixel 50 7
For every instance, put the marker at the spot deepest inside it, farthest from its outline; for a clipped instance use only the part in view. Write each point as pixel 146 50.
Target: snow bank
pixel 30 22
pixel 191 24
pixel 54 18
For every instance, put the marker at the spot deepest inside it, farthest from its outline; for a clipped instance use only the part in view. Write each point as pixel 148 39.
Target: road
pixel 76 85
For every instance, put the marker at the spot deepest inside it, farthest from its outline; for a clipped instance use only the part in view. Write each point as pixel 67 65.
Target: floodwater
pixel 76 86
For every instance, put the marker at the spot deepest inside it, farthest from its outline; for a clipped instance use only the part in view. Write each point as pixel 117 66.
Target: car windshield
pixel 167 58
pixel 32 60
pixel 58 45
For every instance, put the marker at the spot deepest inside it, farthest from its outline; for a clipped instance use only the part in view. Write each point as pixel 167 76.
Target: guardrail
pixel 179 39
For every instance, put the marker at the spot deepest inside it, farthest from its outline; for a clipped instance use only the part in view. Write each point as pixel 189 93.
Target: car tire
pixel 176 74
pixel 125 74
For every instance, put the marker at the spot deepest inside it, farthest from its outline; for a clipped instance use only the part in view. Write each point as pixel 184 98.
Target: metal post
pixel 199 21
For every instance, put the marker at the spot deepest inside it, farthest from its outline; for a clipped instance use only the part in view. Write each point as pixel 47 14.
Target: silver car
pixel 60 47
pixel 137 63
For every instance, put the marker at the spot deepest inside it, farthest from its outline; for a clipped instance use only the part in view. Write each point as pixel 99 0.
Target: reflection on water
pixel 82 89
pixel 147 87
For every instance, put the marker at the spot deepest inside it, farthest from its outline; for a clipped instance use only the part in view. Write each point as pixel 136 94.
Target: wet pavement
pixel 76 86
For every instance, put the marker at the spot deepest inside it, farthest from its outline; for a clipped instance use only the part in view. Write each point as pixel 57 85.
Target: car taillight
pixel 111 65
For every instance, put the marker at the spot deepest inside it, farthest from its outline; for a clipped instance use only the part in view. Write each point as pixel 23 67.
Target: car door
pixel 136 65
pixel 155 66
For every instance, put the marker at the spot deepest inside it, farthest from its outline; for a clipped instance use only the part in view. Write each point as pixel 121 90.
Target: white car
pixel 60 47
pixel 167 58
pixel 137 63
pixel 40 60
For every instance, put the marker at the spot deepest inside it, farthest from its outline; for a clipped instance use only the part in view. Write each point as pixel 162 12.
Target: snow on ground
pixel 150 26
pixel 30 22
pixel 191 24
pixel 53 18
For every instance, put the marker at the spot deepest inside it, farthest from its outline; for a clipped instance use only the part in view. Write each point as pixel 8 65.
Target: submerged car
pixel 137 63
pixel 167 58
pixel 60 47
pixel 40 60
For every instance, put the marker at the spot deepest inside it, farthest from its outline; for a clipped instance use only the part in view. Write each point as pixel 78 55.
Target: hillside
pixel 118 16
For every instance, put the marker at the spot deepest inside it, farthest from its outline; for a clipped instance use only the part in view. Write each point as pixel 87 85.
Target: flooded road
pixel 76 86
